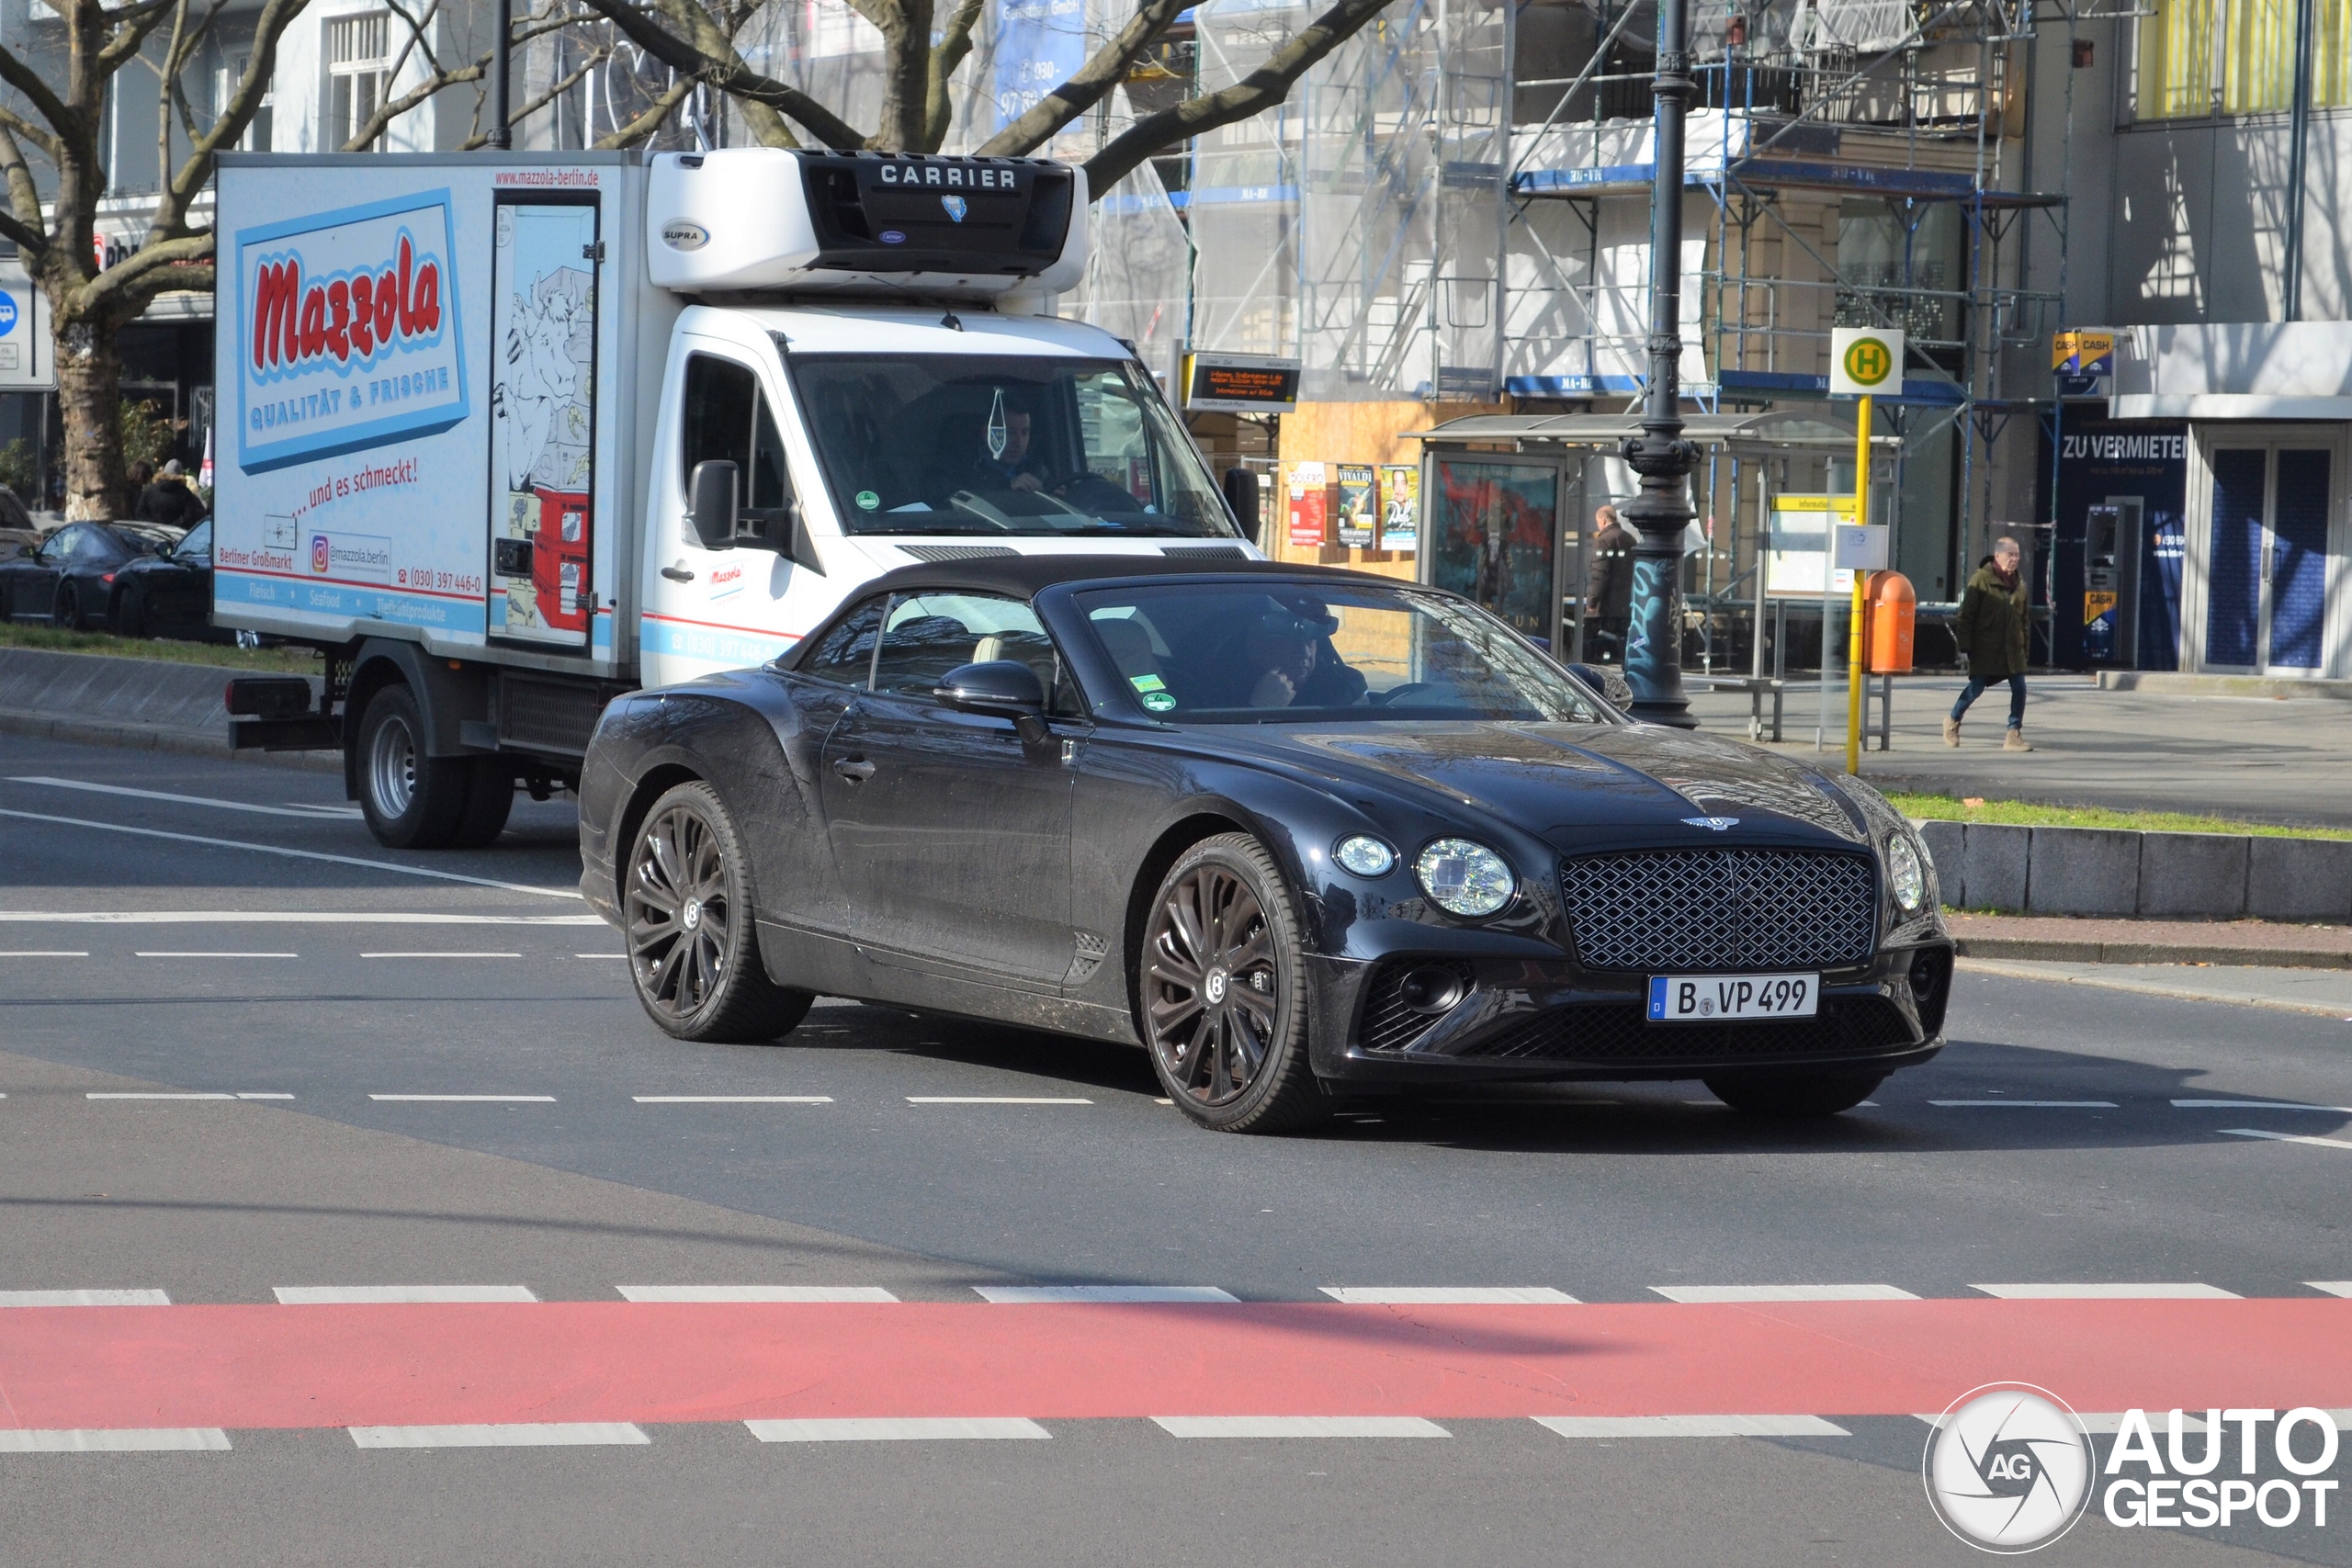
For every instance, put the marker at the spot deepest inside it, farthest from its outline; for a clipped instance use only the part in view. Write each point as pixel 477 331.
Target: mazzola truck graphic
pixel 472 395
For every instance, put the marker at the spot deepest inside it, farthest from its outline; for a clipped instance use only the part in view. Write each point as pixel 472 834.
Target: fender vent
pixel 1090 951
pixel 936 553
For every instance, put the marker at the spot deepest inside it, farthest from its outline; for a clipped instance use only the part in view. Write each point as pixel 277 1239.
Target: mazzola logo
pixel 2008 1468
pixel 352 316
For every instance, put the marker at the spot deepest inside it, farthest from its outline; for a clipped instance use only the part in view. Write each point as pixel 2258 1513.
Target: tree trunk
pixel 89 396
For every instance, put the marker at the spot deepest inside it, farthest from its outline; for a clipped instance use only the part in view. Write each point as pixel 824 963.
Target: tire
pixel 412 801
pixel 128 616
pixel 1221 992
pixel 1797 1095
pixel 68 613
pixel 489 797
pixel 693 947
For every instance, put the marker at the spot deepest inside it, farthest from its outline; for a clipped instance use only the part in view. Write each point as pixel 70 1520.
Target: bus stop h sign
pixel 1864 361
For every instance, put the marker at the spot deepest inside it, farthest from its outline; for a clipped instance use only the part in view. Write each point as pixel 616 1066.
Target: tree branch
pixel 1089 82
pixel 24 195
pixel 140 276
pixel 45 102
pixel 954 43
pixel 229 122
pixel 648 122
pixel 23 130
pixel 1261 89
pixel 132 26
pixel 535 104
pixel 731 77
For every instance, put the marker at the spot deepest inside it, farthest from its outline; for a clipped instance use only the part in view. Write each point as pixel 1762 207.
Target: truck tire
pixel 490 795
pixel 412 800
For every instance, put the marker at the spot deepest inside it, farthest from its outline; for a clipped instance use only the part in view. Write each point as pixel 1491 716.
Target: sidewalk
pixel 2326 993
pixel 2225 943
pixel 2262 759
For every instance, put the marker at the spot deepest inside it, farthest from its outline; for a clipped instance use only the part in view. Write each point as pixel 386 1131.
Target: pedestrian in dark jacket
pixel 169 500
pixel 1995 619
pixel 1609 585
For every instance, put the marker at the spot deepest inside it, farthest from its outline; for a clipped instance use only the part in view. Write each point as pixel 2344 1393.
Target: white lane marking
pixel 895 1428
pixel 399 1295
pixel 501 1435
pixel 347 813
pixel 620 955
pixel 1298 1427
pixel 280 918
pixel 440 956
pixel 1448 1295
pixel 989 1100
pixel 2258 1105
pixel 1031 1295
pixel 42 953
pixel 473 1099
pixel 179 954
pixel 158 1094
pixel 784 1294
pixel 294 854
pixel 1703 1294
pixel 2034 1104
pixel 1692 1427
pixel 311 813
pixel 242 1095
pixel 84 1299
pixel 2333 1286
pixel 115 1440
pixel 732 1099
pixel 2287 1137
pixel 2186 1291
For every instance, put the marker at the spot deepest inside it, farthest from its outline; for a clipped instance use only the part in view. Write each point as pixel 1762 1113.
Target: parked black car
pixel 68 578
pixel 1298 832
pixel 168 594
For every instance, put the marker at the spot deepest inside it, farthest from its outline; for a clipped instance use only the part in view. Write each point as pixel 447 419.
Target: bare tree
pixel 696 39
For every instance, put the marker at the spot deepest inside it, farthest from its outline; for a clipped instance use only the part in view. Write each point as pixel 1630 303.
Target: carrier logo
pixel 681 235
pixel 1720 824
pixel 956 207
pixel 2008 1468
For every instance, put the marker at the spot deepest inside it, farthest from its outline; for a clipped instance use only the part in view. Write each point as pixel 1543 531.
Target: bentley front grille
pixel 1664 911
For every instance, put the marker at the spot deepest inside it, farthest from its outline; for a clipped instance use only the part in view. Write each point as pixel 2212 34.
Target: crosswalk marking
pixel 2183 1290
pixel 1692 1427
pixel 896 1428
pixel 1030 1295
pixel 819 1293
pixel 501 1435
pixel 400 1295
pixel 114 1440
pixel 1300 1426
pixel 84 1299
pixel 1448 1295
pixel 1700 1293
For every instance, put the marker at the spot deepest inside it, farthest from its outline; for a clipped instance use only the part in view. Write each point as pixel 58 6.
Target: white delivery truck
pixel 506 434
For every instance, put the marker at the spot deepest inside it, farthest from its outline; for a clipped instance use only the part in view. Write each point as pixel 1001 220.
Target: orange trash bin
pixel 1892 615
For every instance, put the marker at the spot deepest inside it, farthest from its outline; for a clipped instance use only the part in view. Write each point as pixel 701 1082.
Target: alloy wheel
pixel 679 912
pixel 1214 986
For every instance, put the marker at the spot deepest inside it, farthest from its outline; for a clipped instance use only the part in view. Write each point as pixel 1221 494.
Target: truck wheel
pixel 412 801
pixel 490 795
pixel 693 948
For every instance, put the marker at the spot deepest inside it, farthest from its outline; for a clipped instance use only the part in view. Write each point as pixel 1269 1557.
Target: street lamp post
pixel 1661 512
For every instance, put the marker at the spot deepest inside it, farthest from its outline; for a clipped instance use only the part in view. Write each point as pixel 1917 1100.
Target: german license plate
pixel 1695 998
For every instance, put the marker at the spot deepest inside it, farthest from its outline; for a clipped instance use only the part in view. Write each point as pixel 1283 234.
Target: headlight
pixel 1904 872
pixel 1364 855
pixel 1464 878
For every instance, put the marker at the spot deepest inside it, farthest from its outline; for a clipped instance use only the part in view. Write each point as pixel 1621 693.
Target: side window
pixel 845 655
pixel 728 421
pixel 929 634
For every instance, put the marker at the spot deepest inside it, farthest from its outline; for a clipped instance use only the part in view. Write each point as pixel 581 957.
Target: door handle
pixel 856 769
pixel 677 574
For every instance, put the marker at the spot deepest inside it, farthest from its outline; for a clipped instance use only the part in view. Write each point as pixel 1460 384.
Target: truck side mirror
pixel 710 503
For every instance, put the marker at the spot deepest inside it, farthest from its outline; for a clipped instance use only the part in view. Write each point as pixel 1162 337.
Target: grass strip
pixel 2026 814
pixel 226 656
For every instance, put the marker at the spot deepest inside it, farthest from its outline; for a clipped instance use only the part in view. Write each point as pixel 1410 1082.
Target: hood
pixel 1564 780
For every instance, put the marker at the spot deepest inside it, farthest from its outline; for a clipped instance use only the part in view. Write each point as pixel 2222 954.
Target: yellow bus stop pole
pixel 1854 631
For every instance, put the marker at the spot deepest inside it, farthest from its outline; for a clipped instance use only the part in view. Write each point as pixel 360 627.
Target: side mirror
pixel 1005 688
pixel 1606 684
pixel 710 505
pixel 1241 495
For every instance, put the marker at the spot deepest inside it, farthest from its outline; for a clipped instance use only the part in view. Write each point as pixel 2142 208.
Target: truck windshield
pixel 1017 444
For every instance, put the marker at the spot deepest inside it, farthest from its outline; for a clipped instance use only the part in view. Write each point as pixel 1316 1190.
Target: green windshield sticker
pixel 868 500
pixel 1147 683
pixel 1159 701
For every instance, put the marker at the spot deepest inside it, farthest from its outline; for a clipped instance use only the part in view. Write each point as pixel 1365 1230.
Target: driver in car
pixel 1016 466
pixel 1288 658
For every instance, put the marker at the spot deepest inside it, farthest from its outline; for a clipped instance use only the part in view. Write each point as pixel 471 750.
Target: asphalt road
pixel 178 942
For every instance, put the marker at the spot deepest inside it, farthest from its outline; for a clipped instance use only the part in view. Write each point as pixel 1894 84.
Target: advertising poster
pixel 1310 521
pixel 1400 506
pixel 1359 498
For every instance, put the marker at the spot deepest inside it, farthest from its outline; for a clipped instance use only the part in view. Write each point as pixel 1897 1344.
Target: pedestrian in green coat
pixel 1994 621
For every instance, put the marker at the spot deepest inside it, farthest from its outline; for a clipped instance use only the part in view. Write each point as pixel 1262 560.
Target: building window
pixel 2199 58
pixel 224 87
pixel 359 74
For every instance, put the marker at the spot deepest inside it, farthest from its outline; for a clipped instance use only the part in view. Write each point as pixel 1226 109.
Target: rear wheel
pixel 412 800
pixel 489 797
pixel 1804 1094
pixel 693 948
pixel 68 613
pixel 1222 984
pixel 129 616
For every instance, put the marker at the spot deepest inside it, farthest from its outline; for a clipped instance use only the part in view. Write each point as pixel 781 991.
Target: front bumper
pixel 1522 1019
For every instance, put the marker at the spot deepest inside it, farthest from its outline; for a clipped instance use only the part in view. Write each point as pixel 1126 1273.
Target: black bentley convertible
pixel 1301 834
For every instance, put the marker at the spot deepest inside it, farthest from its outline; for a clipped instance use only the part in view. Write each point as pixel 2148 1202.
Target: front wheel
pixel 694 949
pixel 1798 1095
pixel 1221 983
pixel 68 613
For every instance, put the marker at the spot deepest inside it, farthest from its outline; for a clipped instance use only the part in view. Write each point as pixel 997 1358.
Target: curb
pixel 2041 950
pixel 134 737
pixel 2142 988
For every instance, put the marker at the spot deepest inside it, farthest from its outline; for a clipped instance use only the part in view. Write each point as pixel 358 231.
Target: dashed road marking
pixel 1298 1427
pixel 310 813
pixel 2029 1104
pixel 896 1428
pixel 732 1099
pixel 470 1099
pixel 272 1095
pixel 440 956
pixel 1692 1427
pixel 280 918
pixel 399 1295
pixel 619 956
pixel 115 1440
pixel 2287 1137
pixel 179 954
pixel 1703 1293
pixel 2333 1286
pixel 501 1435
pixel 2258 1105
pixel 42 953
pixel 1448 1295
pixel 2180 1291
pixel 158 1094
pixel 991 1100
pixel 783 1294
pixel 84 1299
pixel 1032 1295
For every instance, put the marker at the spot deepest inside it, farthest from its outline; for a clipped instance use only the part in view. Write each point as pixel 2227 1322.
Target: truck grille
pixel 1721 909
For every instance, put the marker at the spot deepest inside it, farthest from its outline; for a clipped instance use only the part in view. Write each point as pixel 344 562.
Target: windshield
pixel 1224 653
pixel 987 444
